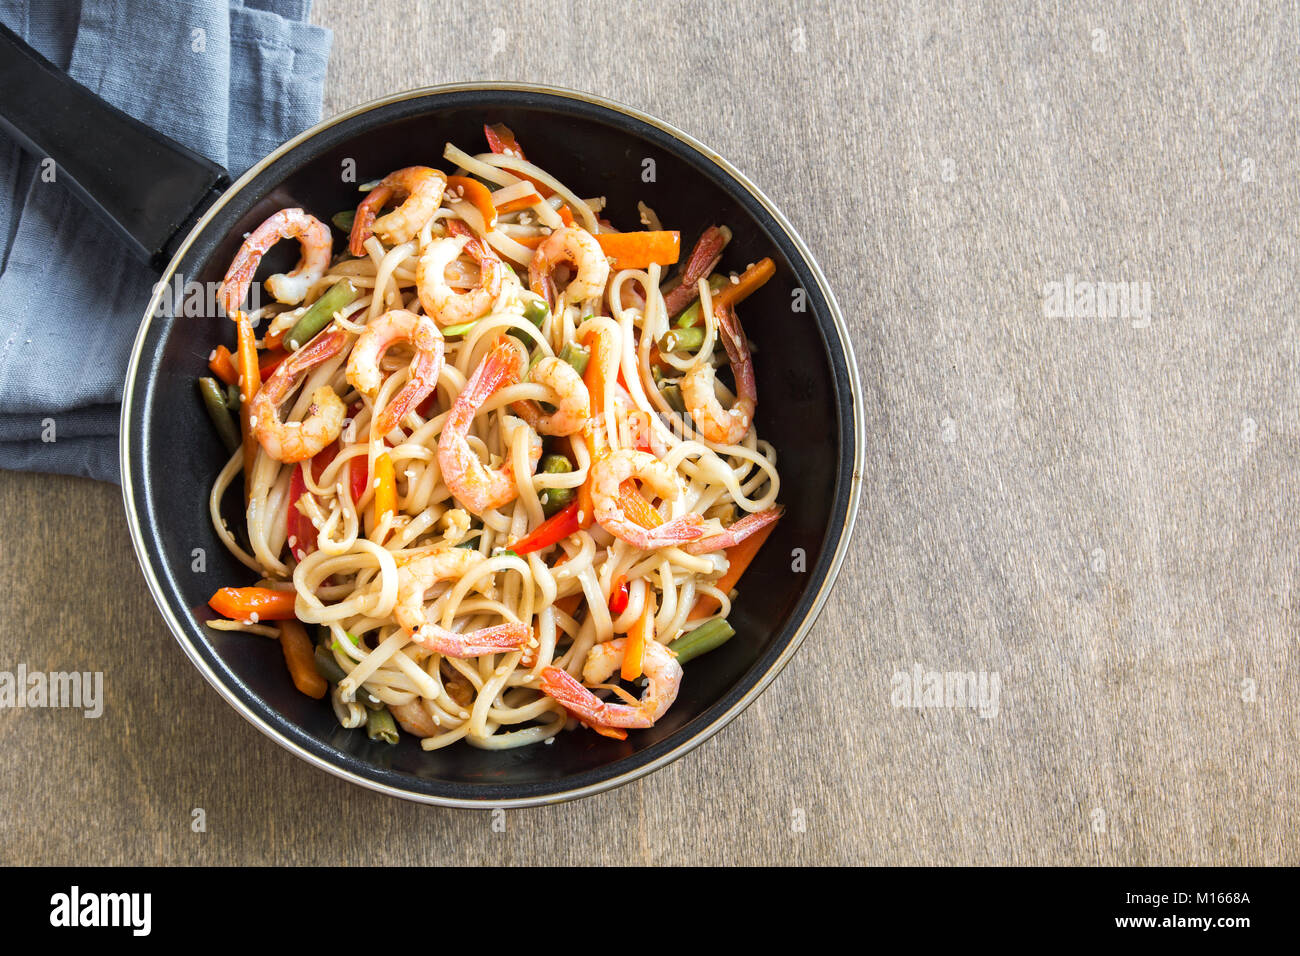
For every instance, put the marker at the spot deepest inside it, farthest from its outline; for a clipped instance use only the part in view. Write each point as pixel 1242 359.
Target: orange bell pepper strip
pixel 739 557
pixel 478 196
pixel 240 604
pixel 385 488
pixel 638 250
pixel 636 507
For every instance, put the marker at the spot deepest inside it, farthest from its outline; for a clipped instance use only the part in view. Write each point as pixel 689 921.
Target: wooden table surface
pixel 1097 512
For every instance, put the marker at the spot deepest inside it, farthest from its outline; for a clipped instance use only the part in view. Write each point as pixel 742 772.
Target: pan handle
pixel 148 188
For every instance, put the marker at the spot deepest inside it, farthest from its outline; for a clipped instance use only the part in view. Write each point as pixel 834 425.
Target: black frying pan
pixel 174 207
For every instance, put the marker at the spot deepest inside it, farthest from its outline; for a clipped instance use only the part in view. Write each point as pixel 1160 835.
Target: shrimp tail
pixel 736 532
pixel 488 640
pixel 562 687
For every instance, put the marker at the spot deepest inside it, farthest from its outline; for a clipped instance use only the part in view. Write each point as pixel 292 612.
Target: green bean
pixel 682 340
pixel 327 666
pixel 380 726
pixel 214 400
pixel 576 355
pixel 343 220
pixel 707 637
pixel 232 399
pixel 692 314
pixel 319 314
pixel 556 499
pixel 673 396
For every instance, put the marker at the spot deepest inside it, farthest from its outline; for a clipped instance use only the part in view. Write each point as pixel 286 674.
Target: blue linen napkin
pixel 231 80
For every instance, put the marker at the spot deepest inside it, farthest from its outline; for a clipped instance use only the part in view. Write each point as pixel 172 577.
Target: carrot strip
pixel 250 382
pixel 569 605
pixel 638 250
pixel 300 658
pixel 642 630
pixel 223 366
pixel 603 355
pixel 478 195
pixel 240 604
pixel 523 202
pixel 739 557
pixel 566 215
pixel 745 285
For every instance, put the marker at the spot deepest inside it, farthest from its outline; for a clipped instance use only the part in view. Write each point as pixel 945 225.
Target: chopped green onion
pixel 460 329
pixel 343 220
pixel 707 637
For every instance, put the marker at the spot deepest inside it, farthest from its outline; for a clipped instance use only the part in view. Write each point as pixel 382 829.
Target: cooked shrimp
pixel 380 334
pixel 659 665
pixel 298 441
pixel 582 252
pixel 573 408
pixel 736 532
pixel 723 426
pixel 474 486
pixel 447 564
pixel 610 472
pixel 414 719
pixel 446 305
pixel 317 246
pixel 420 188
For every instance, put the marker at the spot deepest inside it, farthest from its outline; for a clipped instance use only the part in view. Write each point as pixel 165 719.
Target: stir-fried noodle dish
pixel 499 460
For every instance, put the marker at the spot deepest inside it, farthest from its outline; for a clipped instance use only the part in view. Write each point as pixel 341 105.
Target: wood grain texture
pixel 1101 514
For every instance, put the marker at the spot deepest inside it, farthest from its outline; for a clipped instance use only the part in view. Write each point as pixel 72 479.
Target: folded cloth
pixel 231 80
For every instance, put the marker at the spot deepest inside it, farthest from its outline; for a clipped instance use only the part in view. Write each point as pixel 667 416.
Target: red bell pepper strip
pixel 618 595
pixel 502 141
pixel 551 531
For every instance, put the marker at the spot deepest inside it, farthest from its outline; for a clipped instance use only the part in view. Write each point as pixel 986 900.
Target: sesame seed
pixel 253 617
pixel 212 355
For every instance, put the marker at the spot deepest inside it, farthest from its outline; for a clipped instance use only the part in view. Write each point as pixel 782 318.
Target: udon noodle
pixel 486 458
